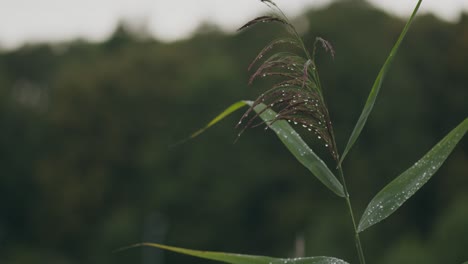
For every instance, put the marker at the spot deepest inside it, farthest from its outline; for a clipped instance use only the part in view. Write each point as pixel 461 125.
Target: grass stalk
pixel 357 239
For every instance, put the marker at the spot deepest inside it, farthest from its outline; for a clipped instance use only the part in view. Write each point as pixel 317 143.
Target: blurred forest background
pixel 86 129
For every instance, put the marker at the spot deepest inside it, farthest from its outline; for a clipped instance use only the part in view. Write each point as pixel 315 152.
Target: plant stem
pixel 357 240
pixel 362 259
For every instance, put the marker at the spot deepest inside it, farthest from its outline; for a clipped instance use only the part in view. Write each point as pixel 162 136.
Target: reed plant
pixel 297 102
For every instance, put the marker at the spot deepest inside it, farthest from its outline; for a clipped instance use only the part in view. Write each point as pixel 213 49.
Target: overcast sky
pixel 58 20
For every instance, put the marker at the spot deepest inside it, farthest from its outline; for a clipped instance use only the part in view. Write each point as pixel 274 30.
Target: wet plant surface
pixel 297 100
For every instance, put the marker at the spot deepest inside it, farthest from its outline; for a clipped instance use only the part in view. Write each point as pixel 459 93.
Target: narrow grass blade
pixel 292 141
pixel 304 154
pixel 241 259
pixel 218 256
pixel 390 198
pixel 231 109
pixel 376 87
pixel 310 260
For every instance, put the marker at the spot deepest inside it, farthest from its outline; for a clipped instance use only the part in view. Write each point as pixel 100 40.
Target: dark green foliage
pixel 85 130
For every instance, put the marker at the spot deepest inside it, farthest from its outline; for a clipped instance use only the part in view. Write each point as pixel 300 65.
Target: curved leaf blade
pixel 231 109
pixel 392 196
pixel 211 255
pixel 310 260
pixel 291 140
pixel 303 153
pixel 376 87
pixel 240 258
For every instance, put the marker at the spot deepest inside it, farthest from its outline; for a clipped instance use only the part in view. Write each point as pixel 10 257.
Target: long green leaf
pixel 218 256
pixel 390 198
pixel 291 140
pixel 310 260
pixel 376 87
pixel 243 259
pixel 296 145
pixel 231 109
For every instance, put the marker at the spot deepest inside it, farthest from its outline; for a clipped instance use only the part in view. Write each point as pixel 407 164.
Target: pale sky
pixel 23 21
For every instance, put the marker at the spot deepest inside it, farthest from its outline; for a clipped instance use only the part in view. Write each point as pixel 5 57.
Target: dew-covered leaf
pixel 392 196
pixel 310 260
pixel 376 88
pixel 240 258
pixel 296 145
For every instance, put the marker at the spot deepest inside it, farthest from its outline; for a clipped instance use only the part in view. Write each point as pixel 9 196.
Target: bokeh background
pixel 86 129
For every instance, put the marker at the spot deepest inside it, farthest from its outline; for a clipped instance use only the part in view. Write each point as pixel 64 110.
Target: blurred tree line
pixel 87 167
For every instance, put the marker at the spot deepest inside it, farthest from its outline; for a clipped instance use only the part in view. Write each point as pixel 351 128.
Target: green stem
pixel 360 252
pixel 362 259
